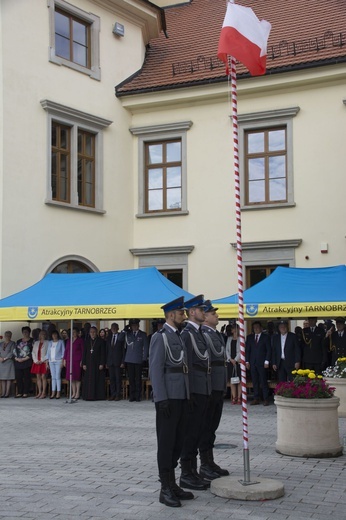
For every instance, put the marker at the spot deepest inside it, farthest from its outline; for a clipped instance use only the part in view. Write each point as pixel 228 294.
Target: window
pixel 75 158
pixel 162 169
pixel 86 168
pixel 163 176
pixel 172 262
pixel 74 38
pixel 173 275
pixel 71 267
pixel 60 165
pixel 266 165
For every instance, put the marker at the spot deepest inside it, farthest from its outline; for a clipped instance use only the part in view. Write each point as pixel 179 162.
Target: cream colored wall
pixel 319 155
pixel 36 235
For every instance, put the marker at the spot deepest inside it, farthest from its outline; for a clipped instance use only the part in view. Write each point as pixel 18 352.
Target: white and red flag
pixel 244 37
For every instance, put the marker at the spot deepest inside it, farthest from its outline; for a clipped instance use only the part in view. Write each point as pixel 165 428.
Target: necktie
pixel 113 340
pixel 177 333
pixel 340 335
pixel 256 339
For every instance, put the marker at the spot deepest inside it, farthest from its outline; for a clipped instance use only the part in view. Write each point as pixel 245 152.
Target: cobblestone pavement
pixel 97 460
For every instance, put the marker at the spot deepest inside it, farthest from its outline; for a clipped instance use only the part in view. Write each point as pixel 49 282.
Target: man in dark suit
pixel 258 356
pixel 168 371
pixel 115 359
pixel 335 343
pixel 313 346
pixel 286 352
pixel 200 390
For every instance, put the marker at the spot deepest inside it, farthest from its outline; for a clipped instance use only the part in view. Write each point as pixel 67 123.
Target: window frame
pixel 159 133
pixel 164 165
pixel 272 119
pixel 76 120
pixel 93 21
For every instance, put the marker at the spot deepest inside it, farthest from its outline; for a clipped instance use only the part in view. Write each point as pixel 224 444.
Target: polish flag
pixel 245 38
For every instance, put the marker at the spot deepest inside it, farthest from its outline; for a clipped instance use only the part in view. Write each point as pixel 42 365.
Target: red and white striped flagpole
pixel 240 270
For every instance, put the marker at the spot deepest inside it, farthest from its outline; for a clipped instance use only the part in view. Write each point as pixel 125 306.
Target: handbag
pixel 235 380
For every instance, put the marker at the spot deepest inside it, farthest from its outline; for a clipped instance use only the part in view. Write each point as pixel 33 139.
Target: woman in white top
pixel 55 356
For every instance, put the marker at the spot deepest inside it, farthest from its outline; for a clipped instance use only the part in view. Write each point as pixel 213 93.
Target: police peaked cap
pixel 174 305
pixel 197 301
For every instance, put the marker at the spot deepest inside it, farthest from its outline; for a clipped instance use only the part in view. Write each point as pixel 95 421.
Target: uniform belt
pixel 218 364
pixel 199 368
pixel 174 370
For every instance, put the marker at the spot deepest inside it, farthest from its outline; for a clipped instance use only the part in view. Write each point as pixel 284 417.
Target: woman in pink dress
pixel 39 366
pixel 77 354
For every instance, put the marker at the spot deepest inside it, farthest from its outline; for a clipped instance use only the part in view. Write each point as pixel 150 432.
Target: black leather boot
pixel 188 479
pixel 180 493
pixel 167 495
pixel 206 471
pixel 216 468
pixel 196 474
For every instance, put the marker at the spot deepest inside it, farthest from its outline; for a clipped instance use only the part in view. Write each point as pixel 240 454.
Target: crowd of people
pixel 271 354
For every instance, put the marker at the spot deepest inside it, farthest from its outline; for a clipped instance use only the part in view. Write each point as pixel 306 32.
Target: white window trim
pixel 76 119
pixel 264 120
pixel 94 21
pixel 165 259
pixel 163 132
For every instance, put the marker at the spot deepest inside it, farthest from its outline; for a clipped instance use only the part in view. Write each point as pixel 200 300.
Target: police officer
pixel 136 353
pixel 200 390
pixel 335 343
pixel 313 346
pixel 209 470
pixel 168 371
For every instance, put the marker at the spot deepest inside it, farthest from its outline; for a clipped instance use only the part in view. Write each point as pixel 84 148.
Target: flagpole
pixel 246 457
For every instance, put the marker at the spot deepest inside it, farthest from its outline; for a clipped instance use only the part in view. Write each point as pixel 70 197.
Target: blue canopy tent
pixel 292 292
pixel 134 293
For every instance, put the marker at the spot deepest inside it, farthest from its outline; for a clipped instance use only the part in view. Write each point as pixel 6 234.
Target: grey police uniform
pixel 169 378
pixel 200 388
pixel 217 359
pixel 216 345
pixel 136 353
pixel 168 366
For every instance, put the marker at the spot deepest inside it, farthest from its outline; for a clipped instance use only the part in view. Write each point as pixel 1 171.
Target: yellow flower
pixel 300 372
pixel 311 375
pixel 319 377
pixel 294 372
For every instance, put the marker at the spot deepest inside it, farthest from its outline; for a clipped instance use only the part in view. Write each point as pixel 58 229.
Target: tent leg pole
pixel 70 400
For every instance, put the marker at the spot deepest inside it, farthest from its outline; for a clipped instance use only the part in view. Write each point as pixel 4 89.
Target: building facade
pixel 116 142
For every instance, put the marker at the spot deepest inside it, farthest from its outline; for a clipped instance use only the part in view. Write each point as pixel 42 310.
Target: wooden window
pixel 60 163
pixel 256 274
pixel 72 38
pixel 266 166
pixel 86 168
pixel 173 275
pixel 71 267
pixel 163 176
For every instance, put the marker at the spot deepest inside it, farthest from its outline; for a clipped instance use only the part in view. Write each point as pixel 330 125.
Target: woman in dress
pixel 77 355
pixel 39 365
pixel 233 357
pixel 23 362
pixel 55 355
pixel 6 364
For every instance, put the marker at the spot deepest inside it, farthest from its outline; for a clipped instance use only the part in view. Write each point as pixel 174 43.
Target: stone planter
pixel 340 392
pixel 308 427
